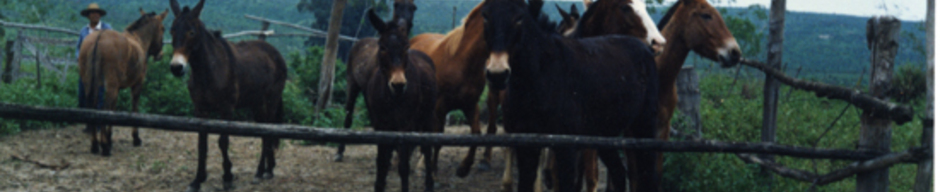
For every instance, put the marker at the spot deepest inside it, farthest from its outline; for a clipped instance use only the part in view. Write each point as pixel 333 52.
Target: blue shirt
pixel 87 30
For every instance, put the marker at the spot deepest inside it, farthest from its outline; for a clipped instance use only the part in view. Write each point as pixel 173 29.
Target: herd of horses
pixel 607 72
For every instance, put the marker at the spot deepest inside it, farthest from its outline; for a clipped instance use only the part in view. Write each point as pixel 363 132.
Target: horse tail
pixel 96 90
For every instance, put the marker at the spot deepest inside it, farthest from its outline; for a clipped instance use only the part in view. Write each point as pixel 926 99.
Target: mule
pixel 362 60
pixel 601 86
pixel 400 95
pixel 109 61
pixel 225 77
pixel 459 58
pixel 690 25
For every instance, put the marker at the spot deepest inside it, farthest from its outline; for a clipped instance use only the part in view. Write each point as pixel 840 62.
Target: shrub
pixel 909 83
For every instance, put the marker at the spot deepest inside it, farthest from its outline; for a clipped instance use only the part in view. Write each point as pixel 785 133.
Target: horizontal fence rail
pixel 377 137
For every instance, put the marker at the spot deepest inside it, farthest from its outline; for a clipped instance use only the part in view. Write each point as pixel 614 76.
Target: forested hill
pixel 818 42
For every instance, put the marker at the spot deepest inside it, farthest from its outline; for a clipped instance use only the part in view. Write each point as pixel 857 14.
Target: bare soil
pixel 167 162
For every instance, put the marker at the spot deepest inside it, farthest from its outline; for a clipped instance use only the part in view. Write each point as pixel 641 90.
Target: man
pixel 94 14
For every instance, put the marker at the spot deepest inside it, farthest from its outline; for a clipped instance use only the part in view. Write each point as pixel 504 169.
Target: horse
pixel 568 20
pixel 362 60
pixel 690 25
pixel 459 59
pixel 400 96
pixel 226 77
pixel 599 86
pixel 113 61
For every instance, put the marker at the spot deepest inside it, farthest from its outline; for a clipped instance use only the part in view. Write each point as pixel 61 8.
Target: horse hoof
pixel 484 166
pixel 192 189
pixel 137 142
pixel 268 176
pixel 94 150
pixel 228 185
pixel 338 158
pixel 106 153
pixel 463 172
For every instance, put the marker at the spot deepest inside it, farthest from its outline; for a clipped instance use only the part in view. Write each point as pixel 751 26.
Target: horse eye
pixel 706 16
pixel 191 33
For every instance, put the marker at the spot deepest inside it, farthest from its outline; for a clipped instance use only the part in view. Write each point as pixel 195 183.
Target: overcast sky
pixel 912 10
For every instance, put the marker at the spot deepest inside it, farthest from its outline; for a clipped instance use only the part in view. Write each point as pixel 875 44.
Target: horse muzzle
pixel 730 54
pixel 178 65
pixel 398 83
pixel 498 70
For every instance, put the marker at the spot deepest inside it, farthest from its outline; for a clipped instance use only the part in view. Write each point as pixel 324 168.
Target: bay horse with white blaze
pixel 226 77
pixel 400 95
pixel 110 61
pixel 602 86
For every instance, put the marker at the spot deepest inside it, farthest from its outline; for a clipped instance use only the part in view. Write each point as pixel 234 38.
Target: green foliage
pixel 802 118
pixel 304 74
pixel 26 91
pixel 909 83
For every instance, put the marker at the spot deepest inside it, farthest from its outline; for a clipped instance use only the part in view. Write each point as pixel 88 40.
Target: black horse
pixel 225 77
pixel 400 94
pixel 600 86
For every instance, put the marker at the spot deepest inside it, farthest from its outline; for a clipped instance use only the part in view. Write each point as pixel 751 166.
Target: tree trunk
pixel 8 63
pixel 689 100
pixel 778 10
pixel 329 56
pixel 876 132
pixel 925 166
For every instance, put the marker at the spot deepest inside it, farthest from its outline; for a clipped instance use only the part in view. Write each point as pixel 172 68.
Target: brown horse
pixel 690 25
pixel 400 95
pixel 460 59
pixel 113 61
pixel 226 77
pixel 362 60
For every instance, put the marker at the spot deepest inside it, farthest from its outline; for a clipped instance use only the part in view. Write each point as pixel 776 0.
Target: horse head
pixel 626 17
pixel 568 20
pixel 699 27
pixel 393 50
pixel 405 9
pixel 503 21
pixel 149 28
pixel 186 30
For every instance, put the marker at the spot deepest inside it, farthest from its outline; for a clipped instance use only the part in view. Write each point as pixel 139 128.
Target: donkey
pixel 109 61
pixel 400 95
pixel 600 86
pixel 225 77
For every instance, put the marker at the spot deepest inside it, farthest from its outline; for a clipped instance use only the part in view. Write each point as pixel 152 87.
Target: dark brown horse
pixel 400 95
pixel 226 77
pixel 569 20
pixel 113 61
pixel 690 25
pixel 601 86
pixel 460 60
pixel 362 60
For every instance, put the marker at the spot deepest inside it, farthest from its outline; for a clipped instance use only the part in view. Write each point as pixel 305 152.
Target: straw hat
pixel 93 7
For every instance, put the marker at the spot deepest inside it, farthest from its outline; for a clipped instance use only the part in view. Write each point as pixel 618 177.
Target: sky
pixel 910 10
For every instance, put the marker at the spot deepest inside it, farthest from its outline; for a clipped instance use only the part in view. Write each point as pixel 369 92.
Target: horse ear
pixel 376 21
pixel 175 6
pixel 198 8
pixel 564 15
pixel 163 15
pixel 574 11
pixel 535 7
pixel 142 12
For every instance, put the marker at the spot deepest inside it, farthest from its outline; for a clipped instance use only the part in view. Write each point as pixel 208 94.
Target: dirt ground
pixel 167 162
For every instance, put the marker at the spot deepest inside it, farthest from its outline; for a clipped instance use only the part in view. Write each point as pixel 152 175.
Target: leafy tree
pixel 354 24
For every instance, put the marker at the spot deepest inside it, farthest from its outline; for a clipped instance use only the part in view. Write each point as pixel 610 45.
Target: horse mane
pixel 668 16
pixel 140 22
pixel 459 30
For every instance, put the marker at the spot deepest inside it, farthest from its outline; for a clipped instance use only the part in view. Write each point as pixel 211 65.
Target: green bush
pixel 802 118
pixel 909 83
pixel 25 91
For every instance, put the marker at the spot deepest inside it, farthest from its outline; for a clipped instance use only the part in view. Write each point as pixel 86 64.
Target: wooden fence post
pixel 264 27
pixel 329 55
pixel 38 53
pixel 17 56
pixel 8 62
pixel 875 133
pixel 925 166
pixel 778 10
pixel 689 100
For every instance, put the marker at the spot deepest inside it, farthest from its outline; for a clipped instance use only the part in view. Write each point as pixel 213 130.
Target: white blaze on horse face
pixel 498 63
pixel 179 60
pixel 653 37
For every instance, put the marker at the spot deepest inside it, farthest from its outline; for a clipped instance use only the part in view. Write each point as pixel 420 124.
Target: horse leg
pixel 473 113
pixel 404 165
pixel 276 115
pixel 527 163
pixel 271 143
pixel 566 167
pixel 589 156
pixel 492 105
pixel 540 178
pixel 94 137
pixel 110 101
pixel 351 97
pixel 507 171
pixel 201 167
pixel 135 100
pixel 616 172
pixel 426 150
pixel 382 162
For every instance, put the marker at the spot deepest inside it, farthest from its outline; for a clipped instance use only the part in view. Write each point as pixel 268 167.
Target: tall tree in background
pixel 778 10
pixel 352 20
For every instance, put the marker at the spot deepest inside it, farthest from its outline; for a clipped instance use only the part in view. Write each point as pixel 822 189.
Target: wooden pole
pixel 925 166
pixel 875 133
pixel 689 100
pixel 778 10
pixel 8 63
pixel 453 18
pixel 38 68
pixel 329 56
pixel 264 27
